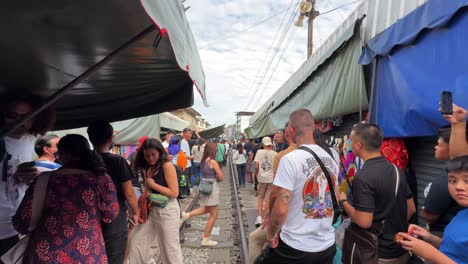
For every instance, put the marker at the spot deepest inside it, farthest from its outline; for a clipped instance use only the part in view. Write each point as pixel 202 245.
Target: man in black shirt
pixel 115 234
pixel 373 194
pixel 439 207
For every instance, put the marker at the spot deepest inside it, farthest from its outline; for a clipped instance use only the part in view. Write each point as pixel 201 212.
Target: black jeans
pixel 285 254
pixel 7 243
pixel 115 247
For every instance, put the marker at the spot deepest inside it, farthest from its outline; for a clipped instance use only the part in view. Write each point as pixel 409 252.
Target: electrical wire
pixel 252 85
pixel 293 32
pixel 339 11
pixel 348 4
pixel 280 43
pixel 329 11
pixel 246 29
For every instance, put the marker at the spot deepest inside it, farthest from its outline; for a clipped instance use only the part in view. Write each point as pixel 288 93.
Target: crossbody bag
pixel 206 185
pixel 361 246
pixel 156 199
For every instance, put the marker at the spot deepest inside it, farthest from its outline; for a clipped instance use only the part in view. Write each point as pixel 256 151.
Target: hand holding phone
pixel 446 104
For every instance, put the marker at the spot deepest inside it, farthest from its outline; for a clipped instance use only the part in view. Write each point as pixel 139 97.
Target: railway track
pixel 229 229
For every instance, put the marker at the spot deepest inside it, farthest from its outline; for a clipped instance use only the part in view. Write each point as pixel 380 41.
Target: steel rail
pixel 184 225
pixel 242 237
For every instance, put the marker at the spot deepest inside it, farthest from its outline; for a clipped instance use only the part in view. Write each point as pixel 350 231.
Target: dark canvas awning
pixel 212 132
pixel 48 44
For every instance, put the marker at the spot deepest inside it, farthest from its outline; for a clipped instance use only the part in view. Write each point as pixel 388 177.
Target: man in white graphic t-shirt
pixel 302 205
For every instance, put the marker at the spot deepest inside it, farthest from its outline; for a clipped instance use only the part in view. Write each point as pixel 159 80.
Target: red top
pixel 69 230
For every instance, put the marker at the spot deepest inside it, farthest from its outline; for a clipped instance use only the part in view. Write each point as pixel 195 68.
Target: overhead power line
pixel 348 4
pixel 246 29
pixel 267 19
pixel 252 85
pixel 270 62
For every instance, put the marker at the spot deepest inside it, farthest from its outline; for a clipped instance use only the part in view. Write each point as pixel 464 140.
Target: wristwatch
pixel 340 202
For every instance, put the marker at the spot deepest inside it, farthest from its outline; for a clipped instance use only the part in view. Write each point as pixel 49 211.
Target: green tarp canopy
pixel 130 131
pixel 329 84
pixel 50 45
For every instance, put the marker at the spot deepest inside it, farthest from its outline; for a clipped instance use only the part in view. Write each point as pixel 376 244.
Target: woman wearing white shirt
pixel 238 156
pixel 197 153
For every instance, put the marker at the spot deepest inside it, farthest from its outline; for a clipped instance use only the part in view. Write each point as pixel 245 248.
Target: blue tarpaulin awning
pixel 417 58
pixel 431 15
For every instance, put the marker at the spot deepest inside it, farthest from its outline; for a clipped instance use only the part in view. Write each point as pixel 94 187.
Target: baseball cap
pixel 187 129
pixel 266 141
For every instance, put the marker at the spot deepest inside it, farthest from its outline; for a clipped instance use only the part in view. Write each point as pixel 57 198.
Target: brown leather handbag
pixel 360 246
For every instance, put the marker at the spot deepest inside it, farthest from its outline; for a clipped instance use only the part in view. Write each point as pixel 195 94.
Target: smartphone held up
pixel 446 105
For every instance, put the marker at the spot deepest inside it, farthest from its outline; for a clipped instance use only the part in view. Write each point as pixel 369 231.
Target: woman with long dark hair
pixel 162 227
pixel 238 155
pixel 210 172
pixel 79 196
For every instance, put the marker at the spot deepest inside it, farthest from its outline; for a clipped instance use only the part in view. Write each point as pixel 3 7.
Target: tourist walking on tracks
pixel 239 157
pixel 211 175
pixel 162 226
pixel 264 175
pixel 302 203
pixel 197 151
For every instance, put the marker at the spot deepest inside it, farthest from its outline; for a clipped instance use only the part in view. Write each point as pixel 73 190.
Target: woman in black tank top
pixel 163 222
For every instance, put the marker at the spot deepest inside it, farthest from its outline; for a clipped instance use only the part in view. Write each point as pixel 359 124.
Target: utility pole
pixel 310 37
pixel 307 8
pixel 312 15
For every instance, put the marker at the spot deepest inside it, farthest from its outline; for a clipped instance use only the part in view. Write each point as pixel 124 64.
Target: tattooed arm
pixel 279 212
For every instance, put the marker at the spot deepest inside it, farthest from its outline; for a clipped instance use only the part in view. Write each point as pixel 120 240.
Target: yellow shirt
pixel 278 156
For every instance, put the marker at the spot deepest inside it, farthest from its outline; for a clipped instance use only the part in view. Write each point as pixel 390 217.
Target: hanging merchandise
pixel 324 125
pixel 126 150
pixel 349 165
pixel 395 151
pixel 337 121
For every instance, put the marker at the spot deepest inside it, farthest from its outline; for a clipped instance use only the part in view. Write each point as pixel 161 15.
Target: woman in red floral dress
pixel 80 195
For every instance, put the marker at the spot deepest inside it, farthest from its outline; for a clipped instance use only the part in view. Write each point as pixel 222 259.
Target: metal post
pixel 310 37
pixel 64 90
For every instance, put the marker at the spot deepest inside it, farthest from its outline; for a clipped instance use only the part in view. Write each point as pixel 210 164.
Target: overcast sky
pixel 232 66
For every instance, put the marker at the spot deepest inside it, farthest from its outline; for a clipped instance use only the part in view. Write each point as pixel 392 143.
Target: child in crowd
pixel 453 247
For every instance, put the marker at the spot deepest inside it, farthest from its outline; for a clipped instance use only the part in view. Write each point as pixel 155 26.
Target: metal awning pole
pixel 64 90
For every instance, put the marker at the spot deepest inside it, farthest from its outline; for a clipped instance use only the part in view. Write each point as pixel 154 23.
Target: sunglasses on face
pixel 15 115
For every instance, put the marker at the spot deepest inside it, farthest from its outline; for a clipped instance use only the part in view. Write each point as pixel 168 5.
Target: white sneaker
pixel 259 221
pixel 206 242
pixel 185 217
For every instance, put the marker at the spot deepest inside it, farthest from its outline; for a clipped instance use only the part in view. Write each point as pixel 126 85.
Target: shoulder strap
pixel 397 187
pixel 39 194
pixel 327 174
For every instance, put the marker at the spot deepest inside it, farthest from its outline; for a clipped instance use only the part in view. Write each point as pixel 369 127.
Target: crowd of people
pixel 297 225
pixel 80 203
